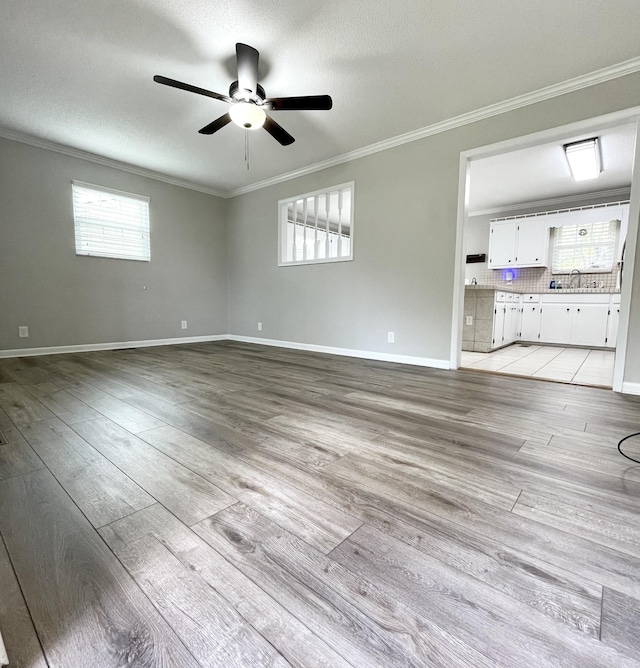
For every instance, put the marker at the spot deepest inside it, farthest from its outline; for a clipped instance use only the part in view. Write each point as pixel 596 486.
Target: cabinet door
pixel 532 249
pixel 612 328
pixel 530 330
pixel 498 325
pixel 589 327
pixel 510 332
pixel 502 245
pixel 555 323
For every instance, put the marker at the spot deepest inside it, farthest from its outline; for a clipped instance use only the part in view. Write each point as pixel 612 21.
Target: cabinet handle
pixel 568 309
pixel 578 310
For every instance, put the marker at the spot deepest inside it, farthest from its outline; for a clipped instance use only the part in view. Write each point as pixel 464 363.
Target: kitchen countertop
pixel 559 291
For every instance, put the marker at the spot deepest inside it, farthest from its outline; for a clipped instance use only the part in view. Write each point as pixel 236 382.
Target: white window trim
pixel 282 212
pixel 588 270
pixel 122 193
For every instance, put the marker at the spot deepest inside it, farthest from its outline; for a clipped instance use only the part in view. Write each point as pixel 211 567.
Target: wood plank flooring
pixel 225 504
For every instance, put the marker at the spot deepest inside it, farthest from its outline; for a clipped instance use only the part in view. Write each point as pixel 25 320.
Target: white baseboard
pixel 4 659
pixel 347 352
pixel 631 388
pixel 89 347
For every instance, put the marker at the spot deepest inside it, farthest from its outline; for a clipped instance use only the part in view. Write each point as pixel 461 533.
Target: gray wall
pixel 402 274
pixel 67 299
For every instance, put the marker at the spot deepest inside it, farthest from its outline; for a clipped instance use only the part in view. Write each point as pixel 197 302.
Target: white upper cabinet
pixel 519 243
pixel 502 245
pixel 532 249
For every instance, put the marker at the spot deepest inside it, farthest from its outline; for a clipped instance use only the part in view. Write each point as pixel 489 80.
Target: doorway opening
pixel 541 287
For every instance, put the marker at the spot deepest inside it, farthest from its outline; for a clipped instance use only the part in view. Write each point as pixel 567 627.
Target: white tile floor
pixel 581 366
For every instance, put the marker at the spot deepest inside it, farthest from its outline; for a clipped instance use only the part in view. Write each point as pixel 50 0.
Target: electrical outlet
pixel 259 326
pixel 391 337
pixel 184 324
pixel 469 320
pixel 23 332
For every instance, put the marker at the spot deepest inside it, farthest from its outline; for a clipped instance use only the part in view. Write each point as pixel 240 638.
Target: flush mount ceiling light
pixel 247 115
pixel 584 159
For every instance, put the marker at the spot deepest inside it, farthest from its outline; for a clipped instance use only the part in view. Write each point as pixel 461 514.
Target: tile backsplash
pixel 537 279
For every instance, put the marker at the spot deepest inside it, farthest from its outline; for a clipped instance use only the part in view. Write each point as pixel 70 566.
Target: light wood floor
pixel 233 505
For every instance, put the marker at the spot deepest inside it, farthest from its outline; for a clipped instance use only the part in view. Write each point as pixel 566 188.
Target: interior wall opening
pixel 541 256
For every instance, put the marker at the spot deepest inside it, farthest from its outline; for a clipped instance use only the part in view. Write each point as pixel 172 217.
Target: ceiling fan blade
pixel 304 103
pixel 215 125
pixel 192 89
pixel 247 58
pixel 277 132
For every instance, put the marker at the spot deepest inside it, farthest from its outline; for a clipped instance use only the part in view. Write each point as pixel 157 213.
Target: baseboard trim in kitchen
pixel 347 352
pixel 631 388
pixel 119 345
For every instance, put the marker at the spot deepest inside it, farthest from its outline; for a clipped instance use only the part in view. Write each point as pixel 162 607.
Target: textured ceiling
pixel 542 172
pixel 80 73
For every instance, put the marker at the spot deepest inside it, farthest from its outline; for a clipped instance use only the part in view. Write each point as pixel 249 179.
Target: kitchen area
pixel 543 278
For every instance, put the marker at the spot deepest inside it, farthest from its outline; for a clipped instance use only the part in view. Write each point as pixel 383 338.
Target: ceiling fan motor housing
pixel 237 94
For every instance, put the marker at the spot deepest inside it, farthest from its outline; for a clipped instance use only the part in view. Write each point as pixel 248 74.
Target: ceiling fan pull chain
pixel 246 148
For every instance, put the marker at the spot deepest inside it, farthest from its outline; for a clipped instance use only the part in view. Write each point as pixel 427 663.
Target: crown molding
pixel 570 85
pixel 47 145
pixel 614 193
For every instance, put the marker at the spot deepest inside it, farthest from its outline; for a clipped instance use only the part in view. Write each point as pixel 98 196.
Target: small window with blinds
pixel 590 247
pixel 317 227
pixel 110 223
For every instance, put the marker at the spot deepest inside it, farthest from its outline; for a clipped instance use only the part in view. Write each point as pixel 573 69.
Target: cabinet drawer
pixel 500 296
pixel 529 298
pixel 576 298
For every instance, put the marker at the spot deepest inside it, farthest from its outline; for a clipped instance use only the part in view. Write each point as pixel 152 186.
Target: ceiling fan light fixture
pixel 247 115
pixel 584 159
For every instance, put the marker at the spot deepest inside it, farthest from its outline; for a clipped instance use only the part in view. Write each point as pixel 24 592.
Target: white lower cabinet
pixel 506 321
pixel 578 320
pixel 498 325
pixel 555 323
pixel 530 327
pixel 589 320
pixel 589 326
pixel 612 327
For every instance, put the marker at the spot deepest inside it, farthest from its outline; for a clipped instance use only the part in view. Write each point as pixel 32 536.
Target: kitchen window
pixel 317 227
pixel 589 247
pixel 110 223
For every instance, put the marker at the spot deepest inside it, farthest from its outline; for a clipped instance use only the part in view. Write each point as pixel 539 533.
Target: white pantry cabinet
pixel 519 243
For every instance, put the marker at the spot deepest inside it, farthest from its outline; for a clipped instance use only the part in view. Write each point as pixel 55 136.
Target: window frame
pixel 615 222
pixel 282 222
pixel 121 193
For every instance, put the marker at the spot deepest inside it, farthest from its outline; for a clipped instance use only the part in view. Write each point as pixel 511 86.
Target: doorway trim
pixel 527 141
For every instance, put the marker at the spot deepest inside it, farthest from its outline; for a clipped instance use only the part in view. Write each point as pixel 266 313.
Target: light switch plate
pixel 23 332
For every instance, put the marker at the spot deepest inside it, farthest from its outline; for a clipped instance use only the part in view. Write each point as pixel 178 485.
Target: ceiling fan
pixel 248 100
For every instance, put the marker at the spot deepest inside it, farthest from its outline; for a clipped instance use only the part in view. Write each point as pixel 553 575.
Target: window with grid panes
pixel 589 247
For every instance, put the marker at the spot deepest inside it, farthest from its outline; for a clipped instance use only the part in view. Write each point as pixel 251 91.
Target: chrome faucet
pixel 474 281
pixel 571 277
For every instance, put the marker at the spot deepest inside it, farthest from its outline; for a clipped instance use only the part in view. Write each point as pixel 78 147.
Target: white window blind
pixel 109 223
pixel 589 247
